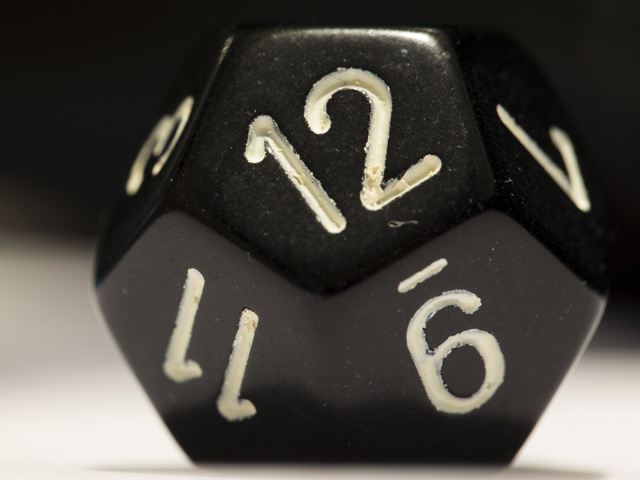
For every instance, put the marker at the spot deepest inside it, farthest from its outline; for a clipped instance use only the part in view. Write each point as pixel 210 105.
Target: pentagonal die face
pixel 336 377
pixel 332 261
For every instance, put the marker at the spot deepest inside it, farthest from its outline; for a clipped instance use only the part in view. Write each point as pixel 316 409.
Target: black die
pixel 356 245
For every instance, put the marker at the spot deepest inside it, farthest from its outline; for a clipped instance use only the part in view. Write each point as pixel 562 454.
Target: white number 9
pixel 157 143
pixel 429 362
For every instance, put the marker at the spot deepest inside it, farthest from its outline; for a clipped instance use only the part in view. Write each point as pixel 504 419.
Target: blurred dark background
pixel 80 84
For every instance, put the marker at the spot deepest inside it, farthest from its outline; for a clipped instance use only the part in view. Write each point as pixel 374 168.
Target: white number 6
pixel 429 362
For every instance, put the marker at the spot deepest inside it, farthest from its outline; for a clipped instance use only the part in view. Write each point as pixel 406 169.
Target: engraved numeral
pixel 374 194
pixel 230 405
pixel 573 184
pixel 157 142
pixel 264 136
pixel 175 367
pixel 429 361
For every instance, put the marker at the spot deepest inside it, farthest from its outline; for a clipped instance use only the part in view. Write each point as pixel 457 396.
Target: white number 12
pixel 264 136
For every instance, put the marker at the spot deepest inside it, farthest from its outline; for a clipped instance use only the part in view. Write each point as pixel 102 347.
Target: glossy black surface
pixel 329 371
pixel 495 71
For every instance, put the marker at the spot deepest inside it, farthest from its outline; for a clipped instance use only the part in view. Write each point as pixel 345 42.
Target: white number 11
pixel 180 370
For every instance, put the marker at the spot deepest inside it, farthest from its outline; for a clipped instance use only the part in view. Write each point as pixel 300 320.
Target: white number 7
pixel 573 184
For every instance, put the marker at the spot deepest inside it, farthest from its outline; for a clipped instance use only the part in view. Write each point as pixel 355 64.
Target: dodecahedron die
pixel 356 245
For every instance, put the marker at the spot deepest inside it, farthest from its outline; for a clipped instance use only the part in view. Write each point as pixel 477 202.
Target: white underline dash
pixel 419 277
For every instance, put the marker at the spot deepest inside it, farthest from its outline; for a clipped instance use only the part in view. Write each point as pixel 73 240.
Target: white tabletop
pixel 70 408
